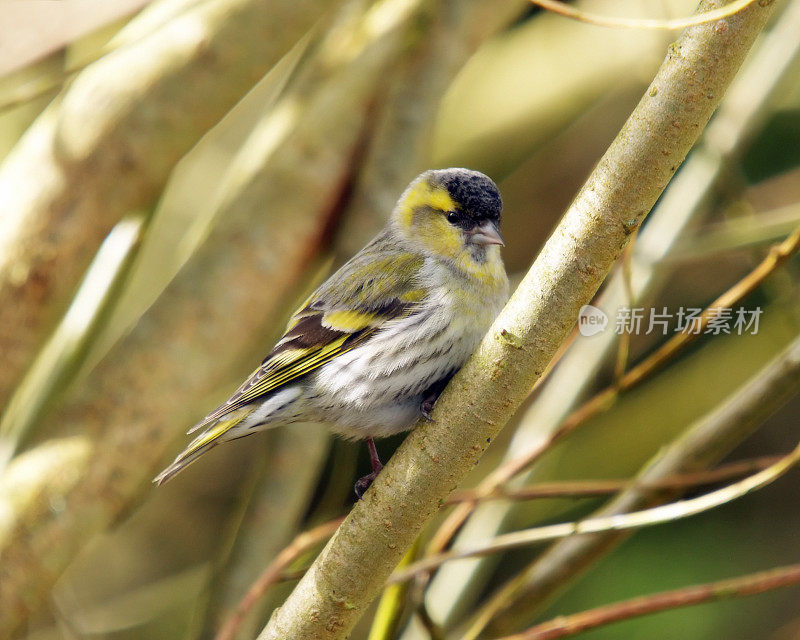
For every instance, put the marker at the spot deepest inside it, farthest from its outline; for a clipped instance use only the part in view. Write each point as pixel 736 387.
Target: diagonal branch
pixel 747 106
pixel 614 522
pixel 747 585
pixel 590 488
pixel 350 572
pixel 563 9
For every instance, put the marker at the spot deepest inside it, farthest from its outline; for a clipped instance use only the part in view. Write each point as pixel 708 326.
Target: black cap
pixel 474 191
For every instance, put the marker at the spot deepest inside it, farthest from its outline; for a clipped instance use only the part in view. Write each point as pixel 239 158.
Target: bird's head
pixel 452 214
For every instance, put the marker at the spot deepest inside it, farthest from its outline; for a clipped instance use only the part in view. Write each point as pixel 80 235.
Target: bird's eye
pixel 452 217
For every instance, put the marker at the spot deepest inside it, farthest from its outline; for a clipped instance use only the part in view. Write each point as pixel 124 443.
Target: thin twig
pixel 776 256
pixel 602 401
pixel 590 488
pixel 746 585
pixel 274 572
pixel 434 630
pixel 270 514
pixel 704 443
pixel 288 576
pixel 647 517
pixel 556 6
pixel 756 229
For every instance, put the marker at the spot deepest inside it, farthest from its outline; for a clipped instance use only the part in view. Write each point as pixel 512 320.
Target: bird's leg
pixel 362 484
pixel 426 406
pixel 432 395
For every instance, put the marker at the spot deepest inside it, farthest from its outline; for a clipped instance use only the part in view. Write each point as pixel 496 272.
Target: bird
pixel 371 349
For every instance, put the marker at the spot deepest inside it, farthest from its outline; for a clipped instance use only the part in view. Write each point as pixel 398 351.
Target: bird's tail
pixel 202 443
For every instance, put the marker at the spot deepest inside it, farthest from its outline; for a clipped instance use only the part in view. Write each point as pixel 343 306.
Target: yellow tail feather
pixel 201 444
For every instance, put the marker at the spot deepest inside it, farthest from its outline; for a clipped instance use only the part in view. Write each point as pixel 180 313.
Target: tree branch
pixel 591 488
pixel 352 568
pixel 747 585
pixel 562 9
pixel 684 205
pixel 613 522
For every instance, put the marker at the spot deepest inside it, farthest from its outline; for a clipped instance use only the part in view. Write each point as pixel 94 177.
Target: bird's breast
pixel 408 355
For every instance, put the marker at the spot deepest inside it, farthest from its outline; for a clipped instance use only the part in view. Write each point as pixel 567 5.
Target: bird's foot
pixel 432 395
pixel 362 484
pixel 426 406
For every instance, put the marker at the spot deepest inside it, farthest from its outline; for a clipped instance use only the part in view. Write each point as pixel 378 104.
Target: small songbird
pixel 372 348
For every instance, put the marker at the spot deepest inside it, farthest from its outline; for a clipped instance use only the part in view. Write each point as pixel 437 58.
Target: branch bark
pixel 352 568
pixel 117 131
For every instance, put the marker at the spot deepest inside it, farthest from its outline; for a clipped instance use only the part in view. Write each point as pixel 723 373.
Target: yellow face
pixel 454 214
pixel 422 214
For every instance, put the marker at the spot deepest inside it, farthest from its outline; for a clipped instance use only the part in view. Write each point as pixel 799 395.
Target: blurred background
pixel 176 175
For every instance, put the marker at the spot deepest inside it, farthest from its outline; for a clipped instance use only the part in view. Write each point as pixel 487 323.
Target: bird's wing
pixel 345 311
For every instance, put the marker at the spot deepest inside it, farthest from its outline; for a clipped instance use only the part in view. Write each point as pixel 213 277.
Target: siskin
pixel 371 349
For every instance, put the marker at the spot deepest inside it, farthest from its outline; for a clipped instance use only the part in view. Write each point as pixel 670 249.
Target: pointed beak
pixel 486 233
